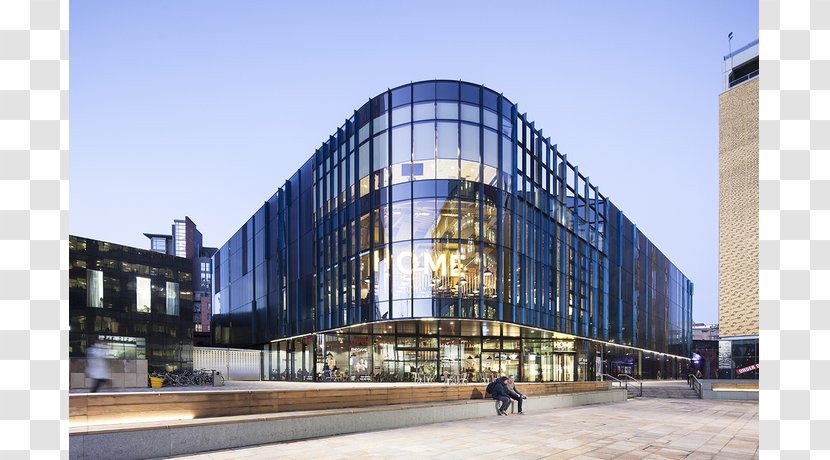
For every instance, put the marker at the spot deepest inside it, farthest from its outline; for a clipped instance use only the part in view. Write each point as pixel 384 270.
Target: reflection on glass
pixel 401 144
pixel 423 141
pixel 469 142
pixel 402 221
pixel 401 114
pixel 423 111
pixel 447 110
pixel 381 230
pixel 447 140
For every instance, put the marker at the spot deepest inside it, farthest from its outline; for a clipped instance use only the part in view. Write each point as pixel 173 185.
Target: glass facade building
pixel 438 232
pixel 136 301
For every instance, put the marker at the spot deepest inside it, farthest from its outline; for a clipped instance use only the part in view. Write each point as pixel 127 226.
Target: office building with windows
pixel 185 240
pixel 739 198
pixel 439 233
pixel 136 301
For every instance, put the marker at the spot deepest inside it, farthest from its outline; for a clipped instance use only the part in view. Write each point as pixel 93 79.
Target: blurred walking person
pixel 97 367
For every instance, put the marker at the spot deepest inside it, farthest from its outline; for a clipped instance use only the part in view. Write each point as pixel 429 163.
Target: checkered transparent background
pixel 794 218
pixel 34 202
pixel 794 174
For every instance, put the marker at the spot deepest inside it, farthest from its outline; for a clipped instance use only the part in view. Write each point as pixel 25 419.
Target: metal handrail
pixel 612 378
pixel 695 384
pixel 632 379
pixel 744 78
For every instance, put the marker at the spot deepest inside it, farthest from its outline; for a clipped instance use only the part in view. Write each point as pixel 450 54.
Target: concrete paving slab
pixel 639 428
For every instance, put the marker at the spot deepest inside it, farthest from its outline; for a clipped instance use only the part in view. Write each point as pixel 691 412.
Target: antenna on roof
pixel 731 58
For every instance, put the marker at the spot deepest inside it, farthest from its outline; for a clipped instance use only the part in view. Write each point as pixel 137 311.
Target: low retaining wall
pixel 729 389
pixel 111 408
pixel 182 437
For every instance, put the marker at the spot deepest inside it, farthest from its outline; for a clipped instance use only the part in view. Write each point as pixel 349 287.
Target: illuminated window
pixel 142 294
pixel 95 288
pixel 172 293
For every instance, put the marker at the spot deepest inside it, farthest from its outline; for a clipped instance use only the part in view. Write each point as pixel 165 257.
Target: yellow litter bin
pixel 156 382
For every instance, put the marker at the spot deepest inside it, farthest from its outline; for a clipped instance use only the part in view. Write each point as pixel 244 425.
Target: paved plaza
pixel 638 428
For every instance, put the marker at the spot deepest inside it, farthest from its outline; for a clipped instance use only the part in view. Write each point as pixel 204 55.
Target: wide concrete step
pixel 184 437
pixel 672 392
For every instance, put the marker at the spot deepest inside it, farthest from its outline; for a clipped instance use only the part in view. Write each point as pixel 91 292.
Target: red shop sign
pixel 747 368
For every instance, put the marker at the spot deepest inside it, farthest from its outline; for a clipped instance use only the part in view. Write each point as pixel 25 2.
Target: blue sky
pixel 204 108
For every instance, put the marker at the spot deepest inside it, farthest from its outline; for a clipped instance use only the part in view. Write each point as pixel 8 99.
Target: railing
pixel 694 383
pixel 627 378
pixel 746 77
pixel 621 383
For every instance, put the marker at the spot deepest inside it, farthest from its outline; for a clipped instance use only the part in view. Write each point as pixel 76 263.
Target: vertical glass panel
pixel 142 294
pixel 364 161
pixel 469 142
pixel 447 140
pixel 95 288
pixel 381 152
pixel 446 169
pixel 401 115
pixel 401 271
pixel 172 295
pixel 470 93
pixel 427 266
pixel 423 170
pixel 423 111
pixel 424 219
pixel 447 110
pixel 365 278
pixel 379 123
pixel 490 176
pixel 401 144
pixel 423 141
pixel 446 90
pixel 446 225
pixel 469 220
pixel 381 231
pixel 402 221
pixel 381 281
pixel 470 170
pixel 424 91
pixel 491 148
pixel 470 113
pixel 491 120
pixel 401 96
pixel 506 126
pixel 363 133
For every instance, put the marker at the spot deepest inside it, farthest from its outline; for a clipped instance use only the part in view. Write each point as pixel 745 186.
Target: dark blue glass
pixel 470 93
pixel 424 91
pixel 401 96
pixel 423 189
pixel 447 90
pixel 490 99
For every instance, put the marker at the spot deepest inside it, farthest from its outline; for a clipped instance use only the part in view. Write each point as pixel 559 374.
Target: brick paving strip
pixel 638 428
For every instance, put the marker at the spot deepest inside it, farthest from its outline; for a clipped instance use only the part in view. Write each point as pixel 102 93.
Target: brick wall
pixel 738 266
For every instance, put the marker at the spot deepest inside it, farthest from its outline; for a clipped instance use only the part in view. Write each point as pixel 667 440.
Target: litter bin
pixel 218 379
pixel 156 382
